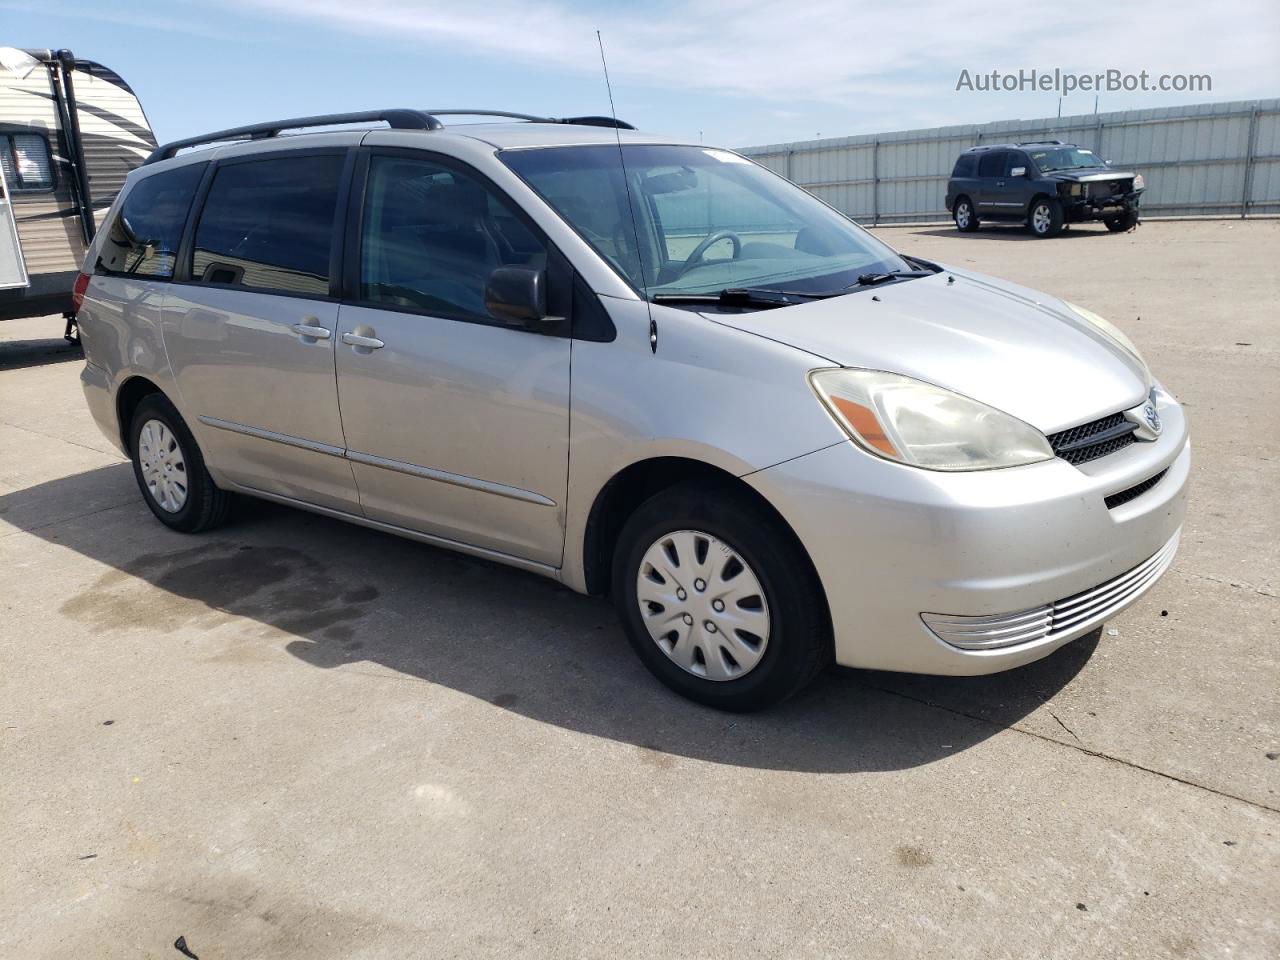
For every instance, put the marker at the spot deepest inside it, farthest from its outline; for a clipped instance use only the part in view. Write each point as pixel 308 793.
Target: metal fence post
pixel 1251 148
pixel 790 154
pixel 875 183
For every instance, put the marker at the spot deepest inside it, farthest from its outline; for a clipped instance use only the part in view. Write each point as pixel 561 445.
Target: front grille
pixel 1075 614
pixel 1102 189
pixel 1137 490
pixel 1089 441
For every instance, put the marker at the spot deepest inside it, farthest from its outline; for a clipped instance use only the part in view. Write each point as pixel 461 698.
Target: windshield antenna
pixel 626 183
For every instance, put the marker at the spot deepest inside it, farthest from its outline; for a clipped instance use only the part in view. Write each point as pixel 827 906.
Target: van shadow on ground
pixel 345 595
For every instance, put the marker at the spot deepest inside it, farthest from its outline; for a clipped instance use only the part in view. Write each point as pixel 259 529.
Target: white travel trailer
pixel 70 131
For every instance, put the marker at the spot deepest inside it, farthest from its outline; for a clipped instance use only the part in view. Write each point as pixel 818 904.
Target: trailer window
pixel 28 165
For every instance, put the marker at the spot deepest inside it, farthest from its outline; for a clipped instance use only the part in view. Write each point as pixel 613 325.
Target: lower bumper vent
pixel 1074 614
pixel 1137 490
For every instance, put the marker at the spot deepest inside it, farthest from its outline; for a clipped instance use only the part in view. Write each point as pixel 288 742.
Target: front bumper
pixel 1098 208
pixel 892 543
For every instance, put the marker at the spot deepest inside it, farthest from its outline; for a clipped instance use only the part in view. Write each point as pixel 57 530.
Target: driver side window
pixel 432 236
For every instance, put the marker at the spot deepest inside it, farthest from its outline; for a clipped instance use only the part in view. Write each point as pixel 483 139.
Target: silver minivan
pixel 641 367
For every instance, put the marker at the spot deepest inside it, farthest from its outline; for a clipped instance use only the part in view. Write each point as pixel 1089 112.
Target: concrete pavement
pixel 299 738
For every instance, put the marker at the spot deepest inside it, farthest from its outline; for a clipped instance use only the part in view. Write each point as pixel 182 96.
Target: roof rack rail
pixel 1032 143
pixel 578 121
pixel 397 119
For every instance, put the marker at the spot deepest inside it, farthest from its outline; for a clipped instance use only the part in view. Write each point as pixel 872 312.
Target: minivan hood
pixel 1019 351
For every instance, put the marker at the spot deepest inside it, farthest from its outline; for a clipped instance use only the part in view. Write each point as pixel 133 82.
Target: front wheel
pixel 965 216
pixel 170 469
pixel 1046 218
pixel 719 600
pixel 1122 222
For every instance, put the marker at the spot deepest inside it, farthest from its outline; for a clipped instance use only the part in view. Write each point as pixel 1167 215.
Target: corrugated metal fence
pixel 1211 159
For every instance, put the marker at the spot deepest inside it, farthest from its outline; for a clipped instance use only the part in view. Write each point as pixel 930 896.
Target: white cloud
pixel 827 51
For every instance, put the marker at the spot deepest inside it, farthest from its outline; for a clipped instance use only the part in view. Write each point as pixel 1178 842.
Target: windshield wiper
pixel 871 279
pixel 741 297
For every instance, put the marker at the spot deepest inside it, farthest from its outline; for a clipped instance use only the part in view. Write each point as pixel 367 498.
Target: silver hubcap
pixel 962 215
pixel 1040 219
pixel 164 468
pixel 703 605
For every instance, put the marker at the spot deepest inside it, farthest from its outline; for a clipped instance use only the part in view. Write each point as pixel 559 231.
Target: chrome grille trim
pixel 1070 614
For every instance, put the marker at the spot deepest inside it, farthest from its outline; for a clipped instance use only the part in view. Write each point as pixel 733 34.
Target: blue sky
pixel 738 72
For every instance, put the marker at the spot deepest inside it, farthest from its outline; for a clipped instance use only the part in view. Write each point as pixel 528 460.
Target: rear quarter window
pixel 142 240
pixel 966 166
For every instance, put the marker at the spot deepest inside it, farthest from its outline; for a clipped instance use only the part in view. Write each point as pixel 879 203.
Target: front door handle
pixel 311 328
pixel 356 340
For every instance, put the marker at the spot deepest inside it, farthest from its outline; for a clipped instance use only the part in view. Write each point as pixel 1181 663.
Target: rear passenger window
pixel 432 236
pixel 143 238
pixel 268 225
pixel 965 166
pixel 992 164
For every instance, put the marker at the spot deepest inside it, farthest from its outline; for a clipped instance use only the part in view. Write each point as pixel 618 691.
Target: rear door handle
pixel 355 340
pixel 312 330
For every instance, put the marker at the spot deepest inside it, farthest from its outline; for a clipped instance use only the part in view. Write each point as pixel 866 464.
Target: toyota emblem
pixel 1152 416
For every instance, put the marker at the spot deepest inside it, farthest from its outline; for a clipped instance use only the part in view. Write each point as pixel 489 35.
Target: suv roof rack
pixel 397 119
pixel 1032 143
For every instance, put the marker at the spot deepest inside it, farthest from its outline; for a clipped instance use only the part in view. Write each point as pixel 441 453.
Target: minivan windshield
pixel 1065 158
pixel 705 221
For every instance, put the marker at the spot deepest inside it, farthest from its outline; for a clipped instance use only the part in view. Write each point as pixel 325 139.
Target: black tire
pixel 205 506
pixel 799 642
pixel 966 220
pixel 1045 218
pixel 1125 221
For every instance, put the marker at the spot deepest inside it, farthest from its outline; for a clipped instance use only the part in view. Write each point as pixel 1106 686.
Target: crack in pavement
pixel 49 436
pixel 1080 747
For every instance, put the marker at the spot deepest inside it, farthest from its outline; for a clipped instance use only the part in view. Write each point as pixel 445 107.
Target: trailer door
pixel 13 270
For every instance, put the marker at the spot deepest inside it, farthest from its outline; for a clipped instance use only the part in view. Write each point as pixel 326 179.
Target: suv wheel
pixel 1046 218
pixel 719 601
pixel 1125 221
pixel 170 469
pixel 965 216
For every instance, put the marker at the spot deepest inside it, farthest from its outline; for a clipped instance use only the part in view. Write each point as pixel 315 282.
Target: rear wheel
pixel 1125 221
pixel 719 600
pixel 965 216
pixel 1045 219
pixel 170 469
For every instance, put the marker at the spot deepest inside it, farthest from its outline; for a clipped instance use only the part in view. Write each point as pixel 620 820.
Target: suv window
pixel 143 238
pixel 993 164
pixel 268 224
pixel 966 165
pixel 432 235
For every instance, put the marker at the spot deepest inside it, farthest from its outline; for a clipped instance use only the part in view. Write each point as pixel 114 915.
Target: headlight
pixel 916 423
pixel 1114 333
pixel 1138 182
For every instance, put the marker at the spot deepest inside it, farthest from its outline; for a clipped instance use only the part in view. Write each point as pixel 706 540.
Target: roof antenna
pixel 635 227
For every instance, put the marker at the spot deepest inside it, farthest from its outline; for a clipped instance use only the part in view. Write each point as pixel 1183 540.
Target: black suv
pixel 1044 184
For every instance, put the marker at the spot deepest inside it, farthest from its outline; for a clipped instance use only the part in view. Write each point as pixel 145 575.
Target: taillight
pixel 77 292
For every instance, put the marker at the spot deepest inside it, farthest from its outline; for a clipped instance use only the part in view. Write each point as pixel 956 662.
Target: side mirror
pixel 516 296
pixel 1018 172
